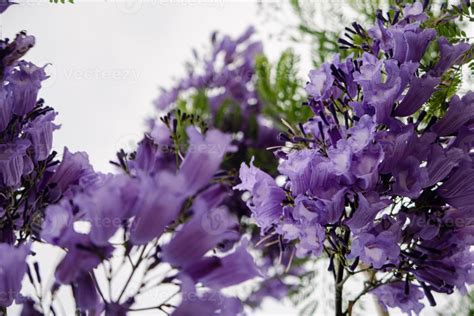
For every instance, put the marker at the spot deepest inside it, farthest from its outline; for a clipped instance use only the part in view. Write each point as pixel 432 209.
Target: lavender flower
pixel 12 270
pixel 399 295
pixel 368 181
pixel 266 206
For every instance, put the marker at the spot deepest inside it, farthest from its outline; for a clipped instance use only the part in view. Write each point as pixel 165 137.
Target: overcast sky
pixel 108 59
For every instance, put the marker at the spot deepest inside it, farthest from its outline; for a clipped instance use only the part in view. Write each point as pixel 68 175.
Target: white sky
pixel 109 58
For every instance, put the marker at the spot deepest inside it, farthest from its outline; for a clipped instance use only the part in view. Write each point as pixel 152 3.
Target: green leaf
pixel 450 84
pixel 279 87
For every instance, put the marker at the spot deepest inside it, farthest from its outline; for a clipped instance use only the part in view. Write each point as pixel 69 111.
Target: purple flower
pixel 460 111
pixel 379 94
pixel 381 35
pixel 320 83
pixel 25 83
pixel 85 294
pixel 449 55
pixel 211 199
pixel 365 166
pixel 12 52
pixel 235 268
pixel 151 155
pixel 297 167
pixel 210 303
pixel 443 273
pixel 82 257
pixel 334 207
pixel 340 158
pixel 224 74
pixel 308 211
pixel 420 91
pixel 458 189
pixel 108 207
pixel 397 144
pixel 441 163
pixel 58 223
pixel 411 42
pixel 12 270
pixel 311 240
pixel 398 294
pixel 414 12
pixel 207 229
pixel 40 133
pixel 207 153
pixel 6 106
pixel 357 157
pixel 324 182
pixel 410 178
pixel 367 209
pixel 4 4
pixel 375 249
pixel 12 162
pixel 362 134
pixel 73 168
pixel 266 195
pixel 159 203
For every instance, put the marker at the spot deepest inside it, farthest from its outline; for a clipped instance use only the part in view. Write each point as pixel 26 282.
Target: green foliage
pixel 451 21
pixel 471 67
pixel 197 105
pixel 177 122
pixel 448 22
pixel 323 40
pixel 450 30
pixel 228 117
pixel 280 89
pixel 450 83
pixel 367 8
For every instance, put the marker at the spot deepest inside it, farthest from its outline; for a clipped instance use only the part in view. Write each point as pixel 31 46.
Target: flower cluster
pixel 219 106
pixel 145 204
pixel 226 71
pixel 371 179
pixel 167 207
pixel 26 128
pixel 220 92
pixel 226 81
pixel 26 125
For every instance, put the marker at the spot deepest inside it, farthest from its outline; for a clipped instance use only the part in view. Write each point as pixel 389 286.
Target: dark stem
pixel 134 269
pixel 339 276
pixel 339 284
